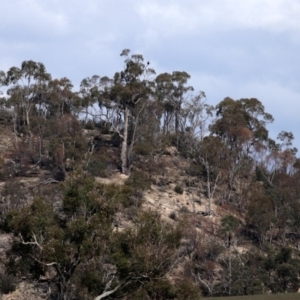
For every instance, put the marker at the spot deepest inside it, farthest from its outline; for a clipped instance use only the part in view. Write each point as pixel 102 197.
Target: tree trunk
pixel 27 118
pixel 124 150
pixel 208 188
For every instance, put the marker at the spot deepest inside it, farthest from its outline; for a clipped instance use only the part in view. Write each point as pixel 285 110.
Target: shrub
pixel 124 196
pixel 184 209
pixel 195 170
pixel 139 180
pixel 173 215
pixel 104 126
pixel 187 290
pixel 229 223
pixel 7 283
pixel 143 149
pixel 160 289
pixel 89 125
pixel 99 164
pixel 178 189
pixel 97 167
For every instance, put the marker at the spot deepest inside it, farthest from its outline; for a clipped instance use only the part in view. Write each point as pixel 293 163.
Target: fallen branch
pixel 107 293
pixel 49 181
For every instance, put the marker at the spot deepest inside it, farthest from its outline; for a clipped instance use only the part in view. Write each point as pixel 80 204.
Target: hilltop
pixel 135 188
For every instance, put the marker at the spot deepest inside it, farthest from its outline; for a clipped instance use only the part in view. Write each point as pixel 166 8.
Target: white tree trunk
pixel 124 150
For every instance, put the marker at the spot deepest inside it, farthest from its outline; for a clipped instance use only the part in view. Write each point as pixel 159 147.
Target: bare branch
pixel 31 243
pixel 108 293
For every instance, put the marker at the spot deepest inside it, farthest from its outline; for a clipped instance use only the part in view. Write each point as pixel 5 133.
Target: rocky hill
pixel 133 187
pixel 218 249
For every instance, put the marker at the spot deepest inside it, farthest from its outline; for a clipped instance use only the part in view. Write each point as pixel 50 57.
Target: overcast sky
pixel 234 48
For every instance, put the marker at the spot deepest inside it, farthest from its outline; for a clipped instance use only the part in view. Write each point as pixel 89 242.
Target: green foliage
pixel 160 289
pixel 185 289
pixel 259 214
pixel 144 149
pixel 73 234
pixel 43 236
pixel 97 167
pixel 238 119
pixel 123 196
pixel 148 249
pixel 283 271
pixel 229 224
pixel 139 180
pixel 36 219
pixel 241 275
pixel 78 195
pixel 99 162
pixel 79 245
pixel 284 255
pixel 89 278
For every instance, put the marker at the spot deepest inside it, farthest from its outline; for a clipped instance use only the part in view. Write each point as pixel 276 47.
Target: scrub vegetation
pixel 135 187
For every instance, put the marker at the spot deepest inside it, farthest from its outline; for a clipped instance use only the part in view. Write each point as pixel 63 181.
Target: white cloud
pixel 32 17
pixel 236 48
pixel 206 16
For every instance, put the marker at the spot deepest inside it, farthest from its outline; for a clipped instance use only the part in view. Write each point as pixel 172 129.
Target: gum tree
pixel 121 101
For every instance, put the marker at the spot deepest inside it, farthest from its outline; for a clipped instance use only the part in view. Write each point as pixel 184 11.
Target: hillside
pixel 134 188
pixel 207 244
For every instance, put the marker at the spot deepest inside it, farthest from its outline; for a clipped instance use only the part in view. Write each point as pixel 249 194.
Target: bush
pixel 89 125
pixel 124 196
pixel 104 126
pixel 97 167
pixel 143 149
pixel 187 290
pixel 160 289
pixel 7 283
pixel 229 223
pixel 99 164
pixel 184 209
pixel 195 170
pixel 139 180
pixel 178 189
pixel 173 215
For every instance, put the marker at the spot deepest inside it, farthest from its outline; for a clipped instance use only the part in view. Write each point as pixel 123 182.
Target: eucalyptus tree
pixel 212 154
pixel 197 116
pixel 121 100
pixel 172 91
pixel 241 123
pixel 26 87
pixel 61 99
pixel 129 95
pixel 90 93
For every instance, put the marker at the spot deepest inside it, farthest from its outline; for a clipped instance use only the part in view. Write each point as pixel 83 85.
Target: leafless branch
pixel 35 242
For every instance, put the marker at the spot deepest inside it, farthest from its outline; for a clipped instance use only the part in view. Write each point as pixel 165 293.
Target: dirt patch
pixel 24 291
pixel 116 178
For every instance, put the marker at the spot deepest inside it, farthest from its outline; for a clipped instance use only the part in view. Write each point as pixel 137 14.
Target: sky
pixel 231 48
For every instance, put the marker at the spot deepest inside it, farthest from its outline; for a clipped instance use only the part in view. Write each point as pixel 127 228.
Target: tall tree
pixel 241 123
pixel 61 99
pixel 172 90
pixel 26 86
pixel 122 100
pixel 212 154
